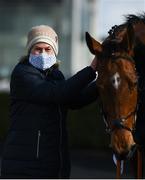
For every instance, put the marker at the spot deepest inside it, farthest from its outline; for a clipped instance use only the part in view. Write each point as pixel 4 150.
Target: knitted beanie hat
pixel 44 34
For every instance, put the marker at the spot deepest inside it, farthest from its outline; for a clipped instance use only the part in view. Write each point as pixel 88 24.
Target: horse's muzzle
pixel 127 155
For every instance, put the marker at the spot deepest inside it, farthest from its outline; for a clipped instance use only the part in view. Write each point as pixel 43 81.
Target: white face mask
pixel 42 61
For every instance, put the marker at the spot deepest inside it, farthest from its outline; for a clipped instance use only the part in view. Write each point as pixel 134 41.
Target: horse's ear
pixel 93 45
pixel 129 39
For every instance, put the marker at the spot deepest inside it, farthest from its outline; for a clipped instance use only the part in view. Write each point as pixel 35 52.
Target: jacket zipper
pixel 60 148
pixel 38 143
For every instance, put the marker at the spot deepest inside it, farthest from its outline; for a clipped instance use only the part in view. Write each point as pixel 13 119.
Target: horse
pixel 138 51
pixel 118 83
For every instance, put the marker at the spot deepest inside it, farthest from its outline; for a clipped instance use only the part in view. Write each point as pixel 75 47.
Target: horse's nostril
pixel 125 154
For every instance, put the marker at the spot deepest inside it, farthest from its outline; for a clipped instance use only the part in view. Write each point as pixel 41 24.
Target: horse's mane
pixel 139 51
pixel 130 19
pixel 133 19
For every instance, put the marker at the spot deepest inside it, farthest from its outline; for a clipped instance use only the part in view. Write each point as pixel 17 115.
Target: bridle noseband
pixel 119 122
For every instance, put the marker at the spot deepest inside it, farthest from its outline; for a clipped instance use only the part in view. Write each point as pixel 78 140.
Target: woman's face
pixel 42 47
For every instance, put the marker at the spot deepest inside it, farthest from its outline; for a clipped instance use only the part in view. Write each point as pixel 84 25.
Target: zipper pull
pixel 38 143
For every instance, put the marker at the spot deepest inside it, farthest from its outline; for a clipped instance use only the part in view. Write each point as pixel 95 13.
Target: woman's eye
pixel 48 50
pixel 37 49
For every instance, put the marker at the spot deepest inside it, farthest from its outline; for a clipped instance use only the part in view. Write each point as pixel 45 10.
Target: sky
pixel 111 12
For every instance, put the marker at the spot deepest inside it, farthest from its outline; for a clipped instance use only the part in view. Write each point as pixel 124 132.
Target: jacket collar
pixel 52 72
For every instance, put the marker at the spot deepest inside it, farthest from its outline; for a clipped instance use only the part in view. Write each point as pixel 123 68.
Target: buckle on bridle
pixel 118 123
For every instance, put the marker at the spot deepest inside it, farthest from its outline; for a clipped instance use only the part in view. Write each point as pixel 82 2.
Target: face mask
pixel 42 61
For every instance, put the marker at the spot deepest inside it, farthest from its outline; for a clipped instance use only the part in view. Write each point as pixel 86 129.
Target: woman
pixel 37 142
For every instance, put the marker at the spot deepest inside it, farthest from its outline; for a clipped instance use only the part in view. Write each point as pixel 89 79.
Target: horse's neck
pixel 139 57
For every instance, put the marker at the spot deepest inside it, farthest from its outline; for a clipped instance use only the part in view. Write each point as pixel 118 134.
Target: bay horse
pixel 118 56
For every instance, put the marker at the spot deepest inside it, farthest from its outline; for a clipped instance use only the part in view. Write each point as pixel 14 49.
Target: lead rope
pixel 118 169
pixel 139 165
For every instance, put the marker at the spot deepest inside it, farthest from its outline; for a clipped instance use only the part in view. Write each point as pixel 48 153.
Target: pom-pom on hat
pixel 42 33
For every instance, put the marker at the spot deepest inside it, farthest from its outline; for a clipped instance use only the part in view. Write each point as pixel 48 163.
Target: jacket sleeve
pixel 30 86
pixel 88 95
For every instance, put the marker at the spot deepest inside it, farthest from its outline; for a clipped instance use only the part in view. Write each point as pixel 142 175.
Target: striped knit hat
pixel 44 34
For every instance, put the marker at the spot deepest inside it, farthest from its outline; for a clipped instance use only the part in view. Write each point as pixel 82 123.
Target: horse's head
pixel 117 85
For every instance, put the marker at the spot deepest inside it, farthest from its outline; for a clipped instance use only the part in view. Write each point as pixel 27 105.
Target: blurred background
pixel 89 143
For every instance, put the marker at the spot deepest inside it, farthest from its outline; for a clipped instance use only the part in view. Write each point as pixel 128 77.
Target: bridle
pixel 118 123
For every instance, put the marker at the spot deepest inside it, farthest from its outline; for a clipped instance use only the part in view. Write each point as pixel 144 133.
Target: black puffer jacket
pixel 36 145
